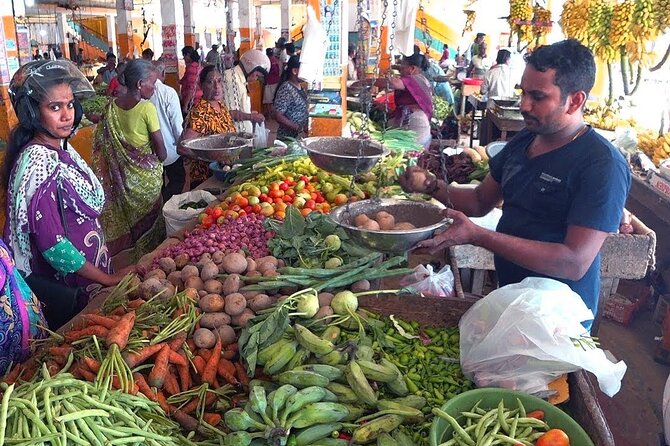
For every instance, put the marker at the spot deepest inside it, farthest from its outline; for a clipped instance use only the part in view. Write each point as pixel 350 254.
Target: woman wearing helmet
pixel 53 198
pixel 253 64
pixel 127 156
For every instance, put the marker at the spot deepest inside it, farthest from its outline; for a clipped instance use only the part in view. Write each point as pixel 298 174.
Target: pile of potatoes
pixel 224 307
pixel 383 221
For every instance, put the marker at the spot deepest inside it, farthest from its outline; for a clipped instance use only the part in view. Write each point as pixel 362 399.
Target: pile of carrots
pixel 189 383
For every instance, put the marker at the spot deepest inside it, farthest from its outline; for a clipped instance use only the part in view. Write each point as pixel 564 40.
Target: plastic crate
pixel 620 309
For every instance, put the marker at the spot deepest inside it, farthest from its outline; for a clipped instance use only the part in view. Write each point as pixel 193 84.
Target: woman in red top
pixel 190 88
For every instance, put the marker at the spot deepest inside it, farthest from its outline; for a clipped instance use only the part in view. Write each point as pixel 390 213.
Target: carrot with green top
pixel 187 422
pixel 226 370
pixel 162 401
pixel 13 374
pixel 184 373
pixel 119 334
pixel 177 359
pixel 91 330
pixel 98 319
pixel 242 376
pixel 143 386
pixel 209 373
pixel 177 341
pixel 171 385
pixel 199 363
pixel 60 353
pixel 160 368
pixel 135 359
pixel 211 418
pixel 86 374
pixel 92 364
pixel 205 353
pixel 135 304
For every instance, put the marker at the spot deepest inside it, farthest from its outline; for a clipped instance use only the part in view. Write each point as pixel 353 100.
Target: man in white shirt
pixel 253 64
pixel 498 80
pixel 166 100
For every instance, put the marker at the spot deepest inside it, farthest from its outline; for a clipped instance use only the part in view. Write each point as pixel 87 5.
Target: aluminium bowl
pixel 344 156
pixel 223 148
pixel 426 216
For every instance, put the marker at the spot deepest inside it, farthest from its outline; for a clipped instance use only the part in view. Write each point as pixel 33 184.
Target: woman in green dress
pixel 127 155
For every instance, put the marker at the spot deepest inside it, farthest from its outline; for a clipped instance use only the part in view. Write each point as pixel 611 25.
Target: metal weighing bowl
pixel 223 148
pixel 339 155
pixel 426 216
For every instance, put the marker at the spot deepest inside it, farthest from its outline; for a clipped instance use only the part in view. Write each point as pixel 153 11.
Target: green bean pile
pixel 480 427
pixel 62 410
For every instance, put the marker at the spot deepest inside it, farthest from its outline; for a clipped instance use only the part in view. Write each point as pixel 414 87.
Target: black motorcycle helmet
pixel 31 82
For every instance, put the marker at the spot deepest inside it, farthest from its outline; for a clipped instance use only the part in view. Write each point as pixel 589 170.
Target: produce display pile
pixel 249 332
pixel 393 138
pixel 471 165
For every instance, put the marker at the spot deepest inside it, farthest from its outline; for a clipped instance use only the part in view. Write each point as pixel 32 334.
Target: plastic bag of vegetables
pixel 178 215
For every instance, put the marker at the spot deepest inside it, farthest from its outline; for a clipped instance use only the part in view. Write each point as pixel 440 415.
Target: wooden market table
pixel 503 124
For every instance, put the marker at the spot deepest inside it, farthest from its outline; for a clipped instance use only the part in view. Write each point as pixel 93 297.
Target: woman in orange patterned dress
pixel 208 117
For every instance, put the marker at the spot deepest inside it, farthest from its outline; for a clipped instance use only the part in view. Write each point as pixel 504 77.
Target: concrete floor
pixel 635 414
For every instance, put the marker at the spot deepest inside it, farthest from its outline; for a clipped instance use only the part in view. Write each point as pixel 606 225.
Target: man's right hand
pixel 416 179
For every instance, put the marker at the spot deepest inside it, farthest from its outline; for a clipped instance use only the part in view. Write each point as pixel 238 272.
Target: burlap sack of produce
pixel 176 217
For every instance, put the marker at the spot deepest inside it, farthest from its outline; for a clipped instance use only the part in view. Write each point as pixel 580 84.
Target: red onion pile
pixel 246 232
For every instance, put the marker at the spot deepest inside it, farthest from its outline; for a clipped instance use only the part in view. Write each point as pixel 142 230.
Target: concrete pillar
pixel 61 30
pixel 111 32
pixel 247 25
pixel 258 29
pixel 9 63
pixel 170 44
pixel 124 30
pixel 232 23
pixel 286 19
pixel 189 24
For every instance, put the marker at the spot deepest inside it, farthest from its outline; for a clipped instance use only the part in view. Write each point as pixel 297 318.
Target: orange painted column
pixel 385 56
pixel 124 30
pixel 9 63
pixel 247 13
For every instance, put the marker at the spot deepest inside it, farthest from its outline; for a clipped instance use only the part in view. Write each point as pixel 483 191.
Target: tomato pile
pixel 306 193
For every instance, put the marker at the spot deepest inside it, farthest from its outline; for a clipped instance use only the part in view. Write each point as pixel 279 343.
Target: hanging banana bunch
pixel 470 17
pixel 541 23
pixel 643 26
pixel 621 30
pixel 661 15
pixel 599 22
pixel 575 20
pixel 520 18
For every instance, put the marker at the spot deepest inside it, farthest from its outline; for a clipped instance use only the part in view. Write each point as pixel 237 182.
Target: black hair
pixel 189 51
pixel 445 46
pixel 269 52
pixel 148 53
pixel 293 62
pixel 417 50
pixel 135 70
pixel 573 62
pixel 503 56
pixel 290 48
pixel 205 72
pixel 110 56
pixel 27 110
pixel 418 60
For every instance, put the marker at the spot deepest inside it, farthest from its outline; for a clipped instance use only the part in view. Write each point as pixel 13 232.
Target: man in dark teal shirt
pixel 563 187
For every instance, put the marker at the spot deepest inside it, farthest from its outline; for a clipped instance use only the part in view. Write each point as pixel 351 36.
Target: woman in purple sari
pixel 53 198
pixel 413 97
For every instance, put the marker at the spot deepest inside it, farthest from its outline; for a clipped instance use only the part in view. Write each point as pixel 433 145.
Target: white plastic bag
pixel 176 218
pixel 521 336
pixel 426 282
pixel 260 136
pixel 314 46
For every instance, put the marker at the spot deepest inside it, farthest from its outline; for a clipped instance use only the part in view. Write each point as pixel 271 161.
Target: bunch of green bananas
pixel 661 16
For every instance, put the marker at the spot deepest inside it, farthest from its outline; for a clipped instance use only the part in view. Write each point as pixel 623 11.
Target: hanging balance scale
pixel 355 156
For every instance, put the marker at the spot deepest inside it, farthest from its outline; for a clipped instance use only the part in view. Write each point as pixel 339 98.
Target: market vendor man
pixel 562 186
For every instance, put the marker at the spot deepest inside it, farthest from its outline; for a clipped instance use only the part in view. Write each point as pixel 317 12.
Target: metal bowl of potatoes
pixel 424 217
